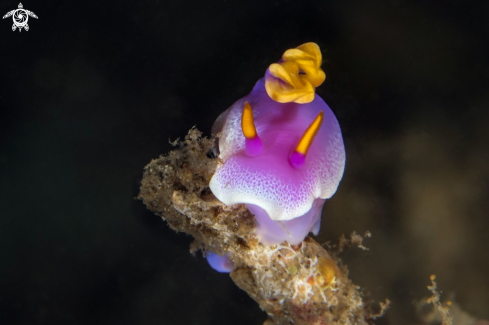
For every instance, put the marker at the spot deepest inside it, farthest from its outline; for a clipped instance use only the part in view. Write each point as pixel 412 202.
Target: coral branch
pixel 294 284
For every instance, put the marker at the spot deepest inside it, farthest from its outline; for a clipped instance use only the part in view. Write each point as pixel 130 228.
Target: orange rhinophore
pixel 254 145
pixel 298 157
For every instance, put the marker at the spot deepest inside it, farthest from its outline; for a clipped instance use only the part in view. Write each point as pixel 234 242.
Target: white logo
pixel 20 17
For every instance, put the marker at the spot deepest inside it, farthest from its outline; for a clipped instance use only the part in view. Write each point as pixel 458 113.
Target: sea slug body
pixel 281 149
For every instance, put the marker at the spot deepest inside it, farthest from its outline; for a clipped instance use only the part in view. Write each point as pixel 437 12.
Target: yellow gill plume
pixel 296 77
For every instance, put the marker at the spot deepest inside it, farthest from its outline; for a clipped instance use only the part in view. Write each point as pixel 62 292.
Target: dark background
pixel 94 91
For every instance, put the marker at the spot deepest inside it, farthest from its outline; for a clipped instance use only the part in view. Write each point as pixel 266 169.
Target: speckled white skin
pixel 269 181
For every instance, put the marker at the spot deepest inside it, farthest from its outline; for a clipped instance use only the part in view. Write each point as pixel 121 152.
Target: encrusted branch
pixel 299 284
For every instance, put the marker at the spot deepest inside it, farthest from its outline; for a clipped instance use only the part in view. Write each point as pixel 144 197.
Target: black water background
pixel 94 91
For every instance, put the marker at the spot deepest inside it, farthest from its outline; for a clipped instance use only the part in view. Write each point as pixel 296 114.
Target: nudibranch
pixel 221 264
pixel 281 149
